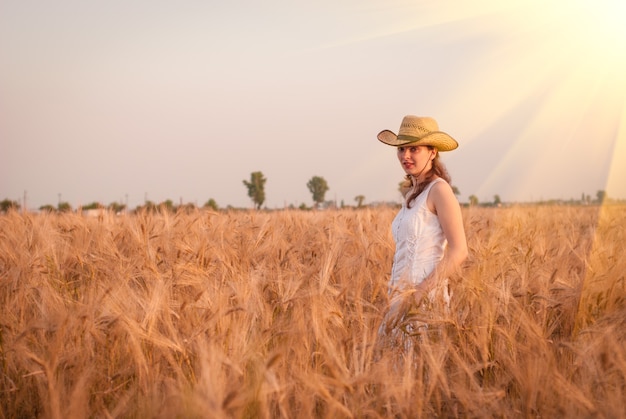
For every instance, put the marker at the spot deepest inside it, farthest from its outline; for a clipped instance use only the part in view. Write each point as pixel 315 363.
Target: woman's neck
pixel 422 178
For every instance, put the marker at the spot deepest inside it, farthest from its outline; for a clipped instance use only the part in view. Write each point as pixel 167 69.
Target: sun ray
pixel 616 181
pixel 572 55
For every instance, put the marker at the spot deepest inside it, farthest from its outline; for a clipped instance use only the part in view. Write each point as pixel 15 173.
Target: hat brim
pixel 438 139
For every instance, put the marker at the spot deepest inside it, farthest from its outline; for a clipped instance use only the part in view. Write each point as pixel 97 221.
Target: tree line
pixel 600 198
pixel 317 186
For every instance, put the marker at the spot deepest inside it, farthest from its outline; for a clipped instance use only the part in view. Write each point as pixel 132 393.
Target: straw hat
pixel 419 130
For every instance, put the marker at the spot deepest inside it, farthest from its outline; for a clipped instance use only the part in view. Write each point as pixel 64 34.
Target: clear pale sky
pixel 132 100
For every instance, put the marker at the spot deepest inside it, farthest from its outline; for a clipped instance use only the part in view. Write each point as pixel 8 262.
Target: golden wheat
pixel 276 314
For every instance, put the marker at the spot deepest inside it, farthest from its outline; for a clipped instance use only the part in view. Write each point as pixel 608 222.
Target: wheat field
pixel 247 314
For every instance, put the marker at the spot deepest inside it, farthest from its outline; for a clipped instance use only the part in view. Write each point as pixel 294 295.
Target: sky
pixel 135 100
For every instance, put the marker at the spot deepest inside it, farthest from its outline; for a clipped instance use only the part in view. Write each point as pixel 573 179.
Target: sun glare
pixel 572 54
pixel 599 27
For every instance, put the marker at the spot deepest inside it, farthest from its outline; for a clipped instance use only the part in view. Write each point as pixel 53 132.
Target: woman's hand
pixel 401 303
pixel 397 309
pixel 420 291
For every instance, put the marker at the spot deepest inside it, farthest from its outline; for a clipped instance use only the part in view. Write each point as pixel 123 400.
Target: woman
pixel 428 230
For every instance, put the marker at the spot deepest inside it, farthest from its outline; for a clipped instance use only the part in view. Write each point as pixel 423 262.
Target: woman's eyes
pixel 412 149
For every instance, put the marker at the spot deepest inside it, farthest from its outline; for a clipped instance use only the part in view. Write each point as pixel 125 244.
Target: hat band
pixel 409 138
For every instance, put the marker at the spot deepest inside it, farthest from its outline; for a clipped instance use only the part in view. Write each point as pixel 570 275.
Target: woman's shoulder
pixel 439 186
pixel 440 190
pixel 438 183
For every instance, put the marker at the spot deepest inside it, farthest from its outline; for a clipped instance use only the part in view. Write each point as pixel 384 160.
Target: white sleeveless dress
pixel 420 242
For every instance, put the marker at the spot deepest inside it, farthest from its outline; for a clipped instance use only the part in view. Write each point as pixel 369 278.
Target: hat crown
pixel 417 126
pixel 418 130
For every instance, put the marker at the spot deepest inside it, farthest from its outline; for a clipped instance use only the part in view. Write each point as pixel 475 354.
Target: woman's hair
pixel 437 169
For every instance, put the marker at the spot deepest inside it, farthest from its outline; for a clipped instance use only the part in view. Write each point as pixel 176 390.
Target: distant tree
pixel 211 204
pixel 7 204
pixel 473 200
pixel 318 187
pixel 496 200
pixel 117 207
pixel 359 200
pixel 148 205
pixel 167 205
pixel 93 205
pixel 64 207
pixel 456 191
pixel 256 188
pixel 601 196
pixel 47 208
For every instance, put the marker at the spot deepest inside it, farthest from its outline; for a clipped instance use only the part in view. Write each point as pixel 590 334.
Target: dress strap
pixel 431 184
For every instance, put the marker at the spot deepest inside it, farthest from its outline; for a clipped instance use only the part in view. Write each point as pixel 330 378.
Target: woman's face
pixel 415 159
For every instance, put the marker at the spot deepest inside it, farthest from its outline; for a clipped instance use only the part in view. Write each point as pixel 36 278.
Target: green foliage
pixel 256 188
pixel 318 188
pixel 47 208
pixel 64 207
pixel 167 205
pixel 473 200
pixel 117 207
pixel 7 204
pixel 148 206
pixel 211 204
pixel 359 200
pixel 93 205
